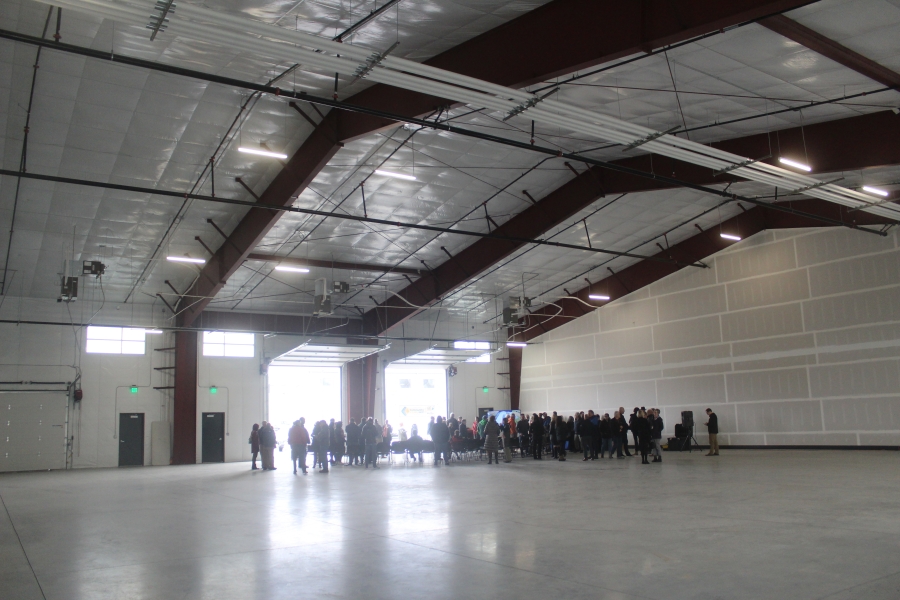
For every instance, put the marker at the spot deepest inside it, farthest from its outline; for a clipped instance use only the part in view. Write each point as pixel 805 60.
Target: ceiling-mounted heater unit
pixel 514 309
pixel 68 289
pixel 322 300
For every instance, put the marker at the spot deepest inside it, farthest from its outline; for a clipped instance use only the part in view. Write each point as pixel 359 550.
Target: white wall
pixel 48 353
pixel 464 390
pixel 241 395
pixel 792 337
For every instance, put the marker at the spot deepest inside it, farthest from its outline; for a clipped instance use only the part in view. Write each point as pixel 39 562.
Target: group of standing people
pixel 593 434
pixel 262 442
pixel 329 442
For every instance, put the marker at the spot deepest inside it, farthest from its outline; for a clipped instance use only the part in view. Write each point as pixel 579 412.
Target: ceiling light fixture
pixel 153 331
pixel 291 269
pixel 597 297
pixel 187 259
pixel 876 191
pixel 262 153
pixel 397 175
pixel 795 164
pixel 730 236
pixel 516 344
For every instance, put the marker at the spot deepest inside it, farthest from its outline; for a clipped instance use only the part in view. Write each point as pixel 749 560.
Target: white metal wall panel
pixel 32 431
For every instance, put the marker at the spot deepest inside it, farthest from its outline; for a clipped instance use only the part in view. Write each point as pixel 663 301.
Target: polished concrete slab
pixel 747 524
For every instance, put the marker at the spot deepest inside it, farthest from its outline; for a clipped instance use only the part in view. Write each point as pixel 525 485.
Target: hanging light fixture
pixel 395 175
pixel 265 153
pixel 516 344
pixel 186 259
pixel 876 191
pixel 597 297
pixel 730 236
pixel 795 164
pixel 291 269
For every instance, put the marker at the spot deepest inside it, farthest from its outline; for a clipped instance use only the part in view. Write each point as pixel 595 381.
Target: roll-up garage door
pixel 32 431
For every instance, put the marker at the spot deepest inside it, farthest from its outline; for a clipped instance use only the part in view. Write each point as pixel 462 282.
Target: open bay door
pixel 33 431
pixel 306 382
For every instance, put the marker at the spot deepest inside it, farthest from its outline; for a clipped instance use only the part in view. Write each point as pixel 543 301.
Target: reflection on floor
pixel 747 524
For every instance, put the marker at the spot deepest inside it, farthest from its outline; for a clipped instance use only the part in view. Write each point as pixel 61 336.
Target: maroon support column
pixel 185 442
pixel 515 376
pixel 361 387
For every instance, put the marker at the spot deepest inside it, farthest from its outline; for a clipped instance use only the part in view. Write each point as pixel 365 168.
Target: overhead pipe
pixel 384 115
pixel 410 75
pixel 334 215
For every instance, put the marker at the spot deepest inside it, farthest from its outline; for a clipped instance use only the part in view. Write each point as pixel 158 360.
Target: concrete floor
pixel 748 524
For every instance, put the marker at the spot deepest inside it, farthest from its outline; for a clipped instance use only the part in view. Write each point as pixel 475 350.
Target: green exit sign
pixel 485 389
pixel 134 389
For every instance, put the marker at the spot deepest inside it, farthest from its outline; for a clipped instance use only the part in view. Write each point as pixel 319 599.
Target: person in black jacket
pixel 322 444
pixel 713 426
pixel 604 430
pixel 536 429
pixel 585 432
pixel 641 429
pixel 267 443
pixel 656 429
pixel 440 434
pixel 522 428
pixel 352 431
pixel 631 420
pixel 369 435
pixel 623 431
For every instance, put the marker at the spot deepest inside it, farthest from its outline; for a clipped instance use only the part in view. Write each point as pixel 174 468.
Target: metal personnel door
pixel 131 439
pixel 213 437
pixel 33 430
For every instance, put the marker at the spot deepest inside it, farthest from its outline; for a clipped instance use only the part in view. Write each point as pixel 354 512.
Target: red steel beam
pixel 559 37
pixel 695 248
pixel 184 443
pixel 841 145
pixel 830 49
pixel 212 320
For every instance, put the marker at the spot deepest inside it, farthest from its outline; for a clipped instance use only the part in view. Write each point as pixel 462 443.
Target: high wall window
pixel 226 343
pixel 115 340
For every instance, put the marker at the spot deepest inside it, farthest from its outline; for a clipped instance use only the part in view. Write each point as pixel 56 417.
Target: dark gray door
pixel 131 439
pixel 213 437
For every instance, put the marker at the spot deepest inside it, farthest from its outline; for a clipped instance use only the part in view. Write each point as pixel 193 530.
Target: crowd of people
pixel 593 435
pixel 329 442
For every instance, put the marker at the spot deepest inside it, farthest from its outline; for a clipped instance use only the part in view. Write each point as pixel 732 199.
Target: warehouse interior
pixel 222 213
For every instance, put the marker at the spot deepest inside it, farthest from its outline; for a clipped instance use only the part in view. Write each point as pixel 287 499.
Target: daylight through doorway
pixel 414 394
pixel 310 392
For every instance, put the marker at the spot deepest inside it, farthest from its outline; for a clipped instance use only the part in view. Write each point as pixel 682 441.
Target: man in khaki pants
pixel 713 424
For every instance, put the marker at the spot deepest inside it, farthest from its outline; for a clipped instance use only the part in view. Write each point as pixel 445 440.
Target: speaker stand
pixel 688 439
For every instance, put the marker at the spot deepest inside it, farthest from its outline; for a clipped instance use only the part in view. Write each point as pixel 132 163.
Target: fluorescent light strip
pixel 291 269
pixel 516 344
pixel 876 191
pixel 795 164
pixel 153 331
pixel 187 259
pixel 262 153
pixel 597 297
pixel 397 175
pixel 729 236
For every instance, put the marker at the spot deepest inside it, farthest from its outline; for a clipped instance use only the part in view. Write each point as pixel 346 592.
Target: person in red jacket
pixel 298 439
